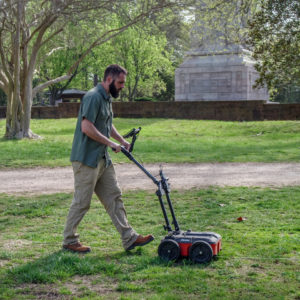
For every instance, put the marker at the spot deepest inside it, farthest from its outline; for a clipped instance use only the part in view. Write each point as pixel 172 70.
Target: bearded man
pixel 92 166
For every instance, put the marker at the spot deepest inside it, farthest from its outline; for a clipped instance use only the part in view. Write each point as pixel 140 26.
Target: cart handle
pixel 134 134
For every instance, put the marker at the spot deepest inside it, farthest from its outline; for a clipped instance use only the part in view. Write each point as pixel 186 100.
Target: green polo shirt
pixel 96 106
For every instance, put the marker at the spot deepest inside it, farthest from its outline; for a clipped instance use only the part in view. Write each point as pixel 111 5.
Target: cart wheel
pixel 169 250
pixel 200 252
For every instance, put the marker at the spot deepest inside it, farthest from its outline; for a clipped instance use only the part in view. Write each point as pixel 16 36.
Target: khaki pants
pixel 103 182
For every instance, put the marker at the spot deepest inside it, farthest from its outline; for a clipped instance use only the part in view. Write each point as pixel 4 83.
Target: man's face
pixel 117 85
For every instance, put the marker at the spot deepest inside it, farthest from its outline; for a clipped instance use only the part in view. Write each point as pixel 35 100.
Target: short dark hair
pixel 114 71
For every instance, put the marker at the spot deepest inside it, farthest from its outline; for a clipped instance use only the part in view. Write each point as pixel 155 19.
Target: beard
pixel 113 90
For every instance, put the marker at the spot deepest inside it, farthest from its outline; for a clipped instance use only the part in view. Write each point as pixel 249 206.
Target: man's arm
pixel 92 132
pixel 115 134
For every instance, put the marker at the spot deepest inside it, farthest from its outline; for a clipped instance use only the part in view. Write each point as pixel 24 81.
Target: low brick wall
pixel 281 111
pixel 63 110
pixel 202 110
pixel 212 110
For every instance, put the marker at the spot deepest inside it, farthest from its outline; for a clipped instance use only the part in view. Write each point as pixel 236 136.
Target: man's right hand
pixel 115 147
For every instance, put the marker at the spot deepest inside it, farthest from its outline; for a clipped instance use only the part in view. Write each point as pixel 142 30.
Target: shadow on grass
pixel 142 261
pixel 62 265
pixel 5 139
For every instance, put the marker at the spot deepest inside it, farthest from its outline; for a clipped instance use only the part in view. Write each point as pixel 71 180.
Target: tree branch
pixel 51 36
pixel 47 20
pixel 37 45
pixel 3 77
pixel 3 87
pixel 70 79
pixel 96 43
pixel 114 32
pixel 3 62
pixel 48 83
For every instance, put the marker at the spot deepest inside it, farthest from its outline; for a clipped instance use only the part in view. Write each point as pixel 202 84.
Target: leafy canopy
pixel 275 39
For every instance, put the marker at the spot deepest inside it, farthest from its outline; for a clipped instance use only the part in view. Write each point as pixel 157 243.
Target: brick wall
pixel 63 110
pixel 281 111
pixel 208 110
pixel 212 110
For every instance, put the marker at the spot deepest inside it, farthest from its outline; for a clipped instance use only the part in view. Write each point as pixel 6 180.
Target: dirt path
pixel 181 177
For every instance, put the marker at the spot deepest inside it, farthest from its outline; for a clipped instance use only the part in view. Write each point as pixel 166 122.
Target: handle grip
pixel 132 133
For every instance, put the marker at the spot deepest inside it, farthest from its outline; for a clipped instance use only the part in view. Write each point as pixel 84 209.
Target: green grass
pixel 259 260
pixel 260 256
pixel 164 140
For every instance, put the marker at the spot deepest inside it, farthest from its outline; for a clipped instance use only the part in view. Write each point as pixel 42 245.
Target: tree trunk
pixel 18 113
pixel 133 94
pixel 27 104
pixel 96 80
pixel 15 114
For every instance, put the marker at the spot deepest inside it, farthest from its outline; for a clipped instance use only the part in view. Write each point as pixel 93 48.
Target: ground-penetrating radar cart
pixel 199 247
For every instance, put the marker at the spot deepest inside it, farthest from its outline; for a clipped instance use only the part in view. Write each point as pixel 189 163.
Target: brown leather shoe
pixel 77 247
pixel 141 241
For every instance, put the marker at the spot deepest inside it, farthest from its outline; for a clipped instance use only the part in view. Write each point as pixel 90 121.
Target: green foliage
pixel 142 49
pixel 275 38
pixel 144 56
pixel 68 47
pixel 164 140
pixel 259 257
pixel 221 24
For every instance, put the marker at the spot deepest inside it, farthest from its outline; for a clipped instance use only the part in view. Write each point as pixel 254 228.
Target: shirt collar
pixel 103 92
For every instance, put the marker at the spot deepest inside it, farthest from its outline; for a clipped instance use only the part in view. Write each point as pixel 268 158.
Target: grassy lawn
pixel 164 140
pixel 260 256
pixel 259 260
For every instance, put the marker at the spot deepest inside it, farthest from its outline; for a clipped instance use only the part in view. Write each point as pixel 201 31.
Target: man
pixel 92 167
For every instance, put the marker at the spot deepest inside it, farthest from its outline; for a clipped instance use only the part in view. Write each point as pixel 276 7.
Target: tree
pixel 67 48
pixel 144 55
pixel 27 26
pixel 221 25
pixel 146 50
pixel 176 25
pixel 275 40
pixel 61 60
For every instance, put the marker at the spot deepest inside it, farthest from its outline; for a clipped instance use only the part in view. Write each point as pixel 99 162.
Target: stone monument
pixel 217 69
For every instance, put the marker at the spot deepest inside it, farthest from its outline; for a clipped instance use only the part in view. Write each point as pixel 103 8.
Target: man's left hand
pixel 126 145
